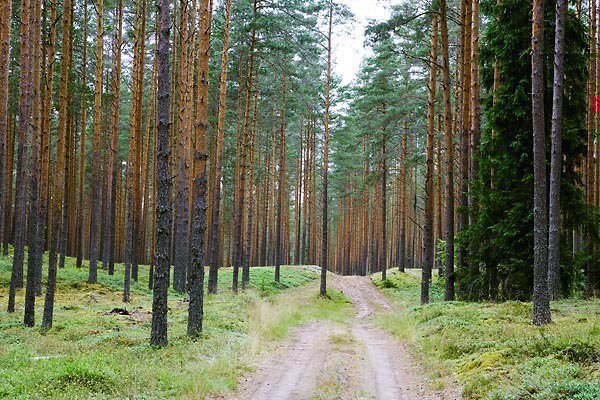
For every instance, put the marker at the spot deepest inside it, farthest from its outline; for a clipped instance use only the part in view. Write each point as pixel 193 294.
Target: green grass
pixel 494 350
pixel 91 353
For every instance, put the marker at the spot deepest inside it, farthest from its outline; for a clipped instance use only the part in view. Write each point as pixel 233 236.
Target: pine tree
pixel 428 245
pixel 59 168
pixel 96 161
pixel 158 335
pixel 196 272
pixel 5 29
pixel 541 304
pixel 556 154
pixel 25 102
pixel 216 214
pixel 34 261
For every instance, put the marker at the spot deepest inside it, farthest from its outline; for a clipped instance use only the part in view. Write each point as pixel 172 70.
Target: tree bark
pixel 449 159
pixel 428 246
pixel 34 261
pixel 82 147
pixel 24 112
pixel 5 25
pixel 556 155
pixel 158 335
pixel 325 202
pixel 281 183
pixel 216 217
pixel 113 167
pixel 196 272
pixel 96 162
pixel 59 168
pixel 181 250
pixel 541 303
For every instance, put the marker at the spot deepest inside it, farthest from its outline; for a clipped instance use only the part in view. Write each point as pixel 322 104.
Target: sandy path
pixel 353 361
pixel 392 373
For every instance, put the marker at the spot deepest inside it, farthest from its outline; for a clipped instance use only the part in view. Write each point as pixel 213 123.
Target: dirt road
pixel 349 361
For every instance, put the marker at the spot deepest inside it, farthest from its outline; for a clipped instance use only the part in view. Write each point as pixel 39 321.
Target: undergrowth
pixel 92 353
pixel 493 349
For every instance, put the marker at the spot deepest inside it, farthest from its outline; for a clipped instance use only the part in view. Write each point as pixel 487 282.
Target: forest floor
pixel 283 341
pixel 354 359
pixel 99 347
pixel 492 349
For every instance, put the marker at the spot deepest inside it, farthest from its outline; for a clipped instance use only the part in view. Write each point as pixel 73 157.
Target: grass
pixel 494 350
pixel 91 353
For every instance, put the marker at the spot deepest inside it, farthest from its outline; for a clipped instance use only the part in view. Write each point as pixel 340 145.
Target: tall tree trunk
pixel 82 146
pixel 5 25
pixel 541 303
pixel 196 273
pixel 10 150
pixel 463 200
pixel 240 206
pixel 216 217
pixel 59 167
pixel 281 183
pixel 475 110
pixel 555 168
pixel 96 162
pixel 181 250
pixel 403 217
pixel 325 202
pixel 114 143
pixel 247 262
pixel 384 239
pixel 25 97
pixel 158 335
pixel 428 246
pixel 449 159
pixel 592 127
pixel 34 261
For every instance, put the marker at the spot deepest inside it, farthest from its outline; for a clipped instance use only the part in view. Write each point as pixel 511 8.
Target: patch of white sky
pixel 349 48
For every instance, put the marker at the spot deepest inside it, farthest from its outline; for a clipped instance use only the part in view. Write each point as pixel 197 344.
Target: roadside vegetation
pixel 492 349
pixel 98 347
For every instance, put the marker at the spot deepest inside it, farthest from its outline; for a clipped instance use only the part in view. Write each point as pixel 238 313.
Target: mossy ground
pixel 493 349
pixel 91 353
